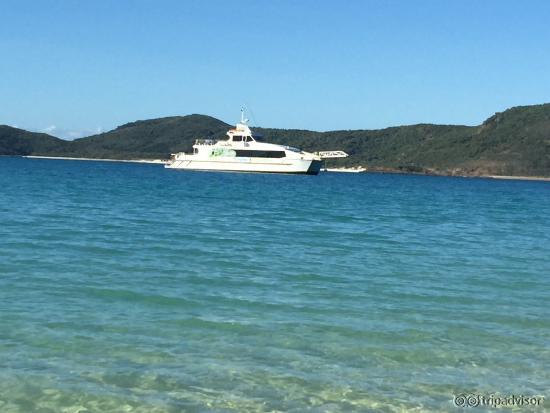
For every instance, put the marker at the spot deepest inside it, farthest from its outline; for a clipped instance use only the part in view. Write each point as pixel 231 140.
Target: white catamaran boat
pixel 243 152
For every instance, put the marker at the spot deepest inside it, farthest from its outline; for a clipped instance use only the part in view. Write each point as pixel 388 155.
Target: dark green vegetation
pixel 514 142
pixel 15 141
pixel 148 139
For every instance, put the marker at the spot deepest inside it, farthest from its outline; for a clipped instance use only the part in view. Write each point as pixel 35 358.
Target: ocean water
pixel 131 288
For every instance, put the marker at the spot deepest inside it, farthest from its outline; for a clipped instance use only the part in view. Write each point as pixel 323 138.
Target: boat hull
pixel 294 166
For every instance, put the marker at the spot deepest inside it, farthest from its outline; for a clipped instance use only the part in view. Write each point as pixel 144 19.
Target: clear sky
pixel 75 67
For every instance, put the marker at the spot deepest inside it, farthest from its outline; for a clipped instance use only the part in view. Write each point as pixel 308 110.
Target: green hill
pixel 514 142
pixel 149 139
pixel 14 141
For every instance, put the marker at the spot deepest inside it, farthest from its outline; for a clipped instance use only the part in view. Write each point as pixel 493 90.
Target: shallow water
pixel 128 287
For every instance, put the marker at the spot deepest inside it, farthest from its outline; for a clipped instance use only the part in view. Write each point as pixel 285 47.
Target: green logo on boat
pixel 223 152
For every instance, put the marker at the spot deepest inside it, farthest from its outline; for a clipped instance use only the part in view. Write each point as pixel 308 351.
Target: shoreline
pixel 361 169
pixel 68 158
pixel 517 178
pixel 357 169
pixel 435 173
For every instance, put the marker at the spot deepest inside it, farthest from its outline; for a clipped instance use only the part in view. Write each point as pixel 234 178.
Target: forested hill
pixel 14 141
pixel 149 139
pixel 513 142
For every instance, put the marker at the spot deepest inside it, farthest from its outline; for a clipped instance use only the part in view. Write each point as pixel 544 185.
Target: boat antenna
pixel 243 120
pixel 251 112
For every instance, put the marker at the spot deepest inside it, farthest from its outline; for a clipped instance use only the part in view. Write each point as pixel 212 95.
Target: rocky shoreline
pixel 453 173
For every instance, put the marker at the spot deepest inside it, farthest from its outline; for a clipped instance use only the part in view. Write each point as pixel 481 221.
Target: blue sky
pixel 77 67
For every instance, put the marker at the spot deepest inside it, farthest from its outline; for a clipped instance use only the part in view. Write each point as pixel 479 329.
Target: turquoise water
pixel 130 288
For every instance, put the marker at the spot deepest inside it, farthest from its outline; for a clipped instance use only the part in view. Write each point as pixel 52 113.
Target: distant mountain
pixel 514 142
pixel 153 139
pixel 14 141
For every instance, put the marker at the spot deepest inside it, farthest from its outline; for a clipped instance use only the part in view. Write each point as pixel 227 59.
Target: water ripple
pixel 132 288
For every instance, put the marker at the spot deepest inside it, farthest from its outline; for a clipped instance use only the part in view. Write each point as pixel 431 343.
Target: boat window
pixel 249 139
pixel 237 138
pixel 260 154
pixel 290 148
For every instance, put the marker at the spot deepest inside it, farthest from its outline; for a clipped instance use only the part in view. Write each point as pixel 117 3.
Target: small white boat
pixel 244 152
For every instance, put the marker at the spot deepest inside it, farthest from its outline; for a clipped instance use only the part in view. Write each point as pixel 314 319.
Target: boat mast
pixel 243 120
